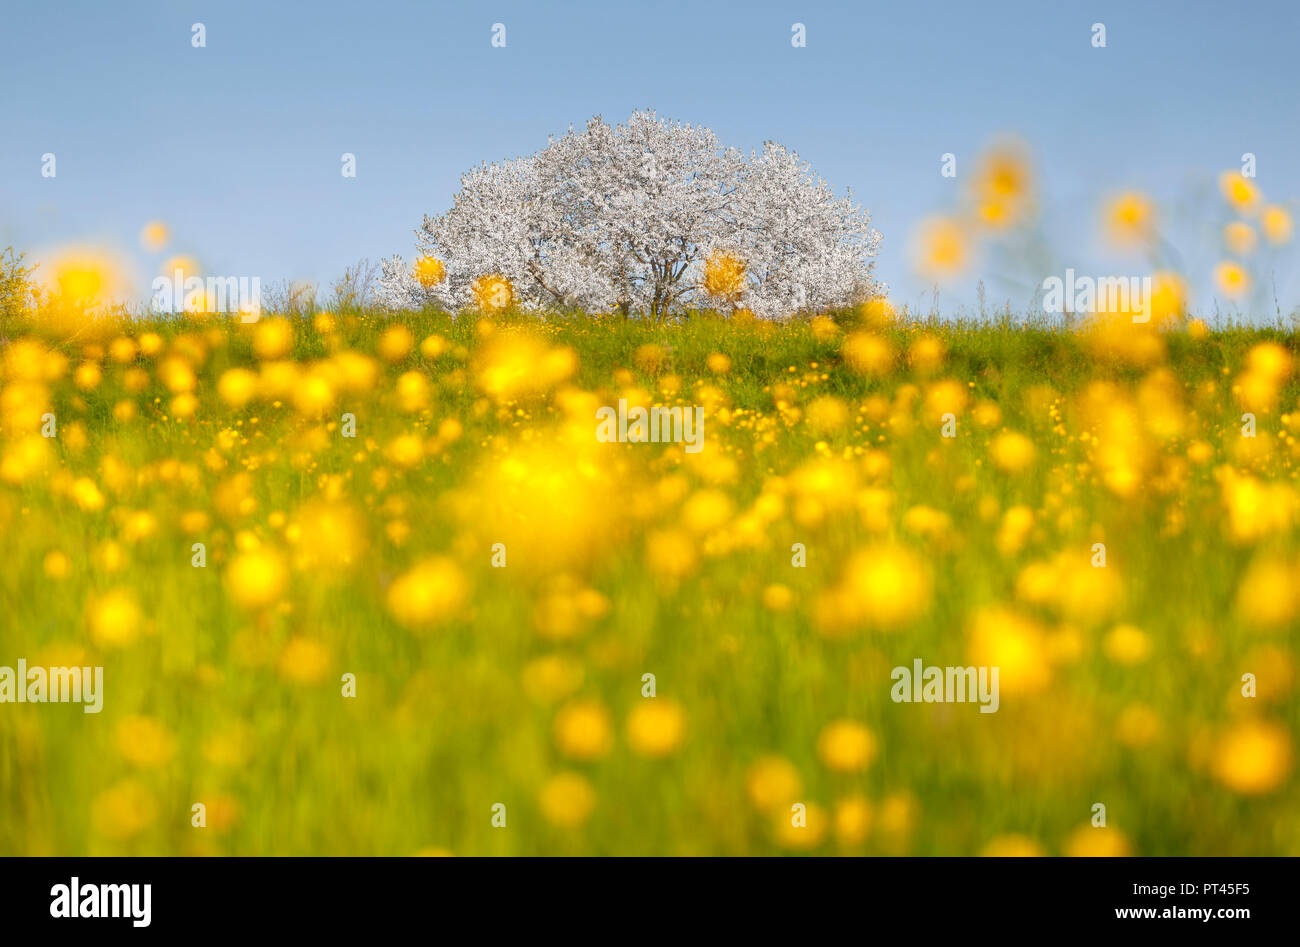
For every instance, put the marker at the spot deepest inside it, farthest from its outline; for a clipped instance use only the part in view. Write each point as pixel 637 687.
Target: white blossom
pixel 623 218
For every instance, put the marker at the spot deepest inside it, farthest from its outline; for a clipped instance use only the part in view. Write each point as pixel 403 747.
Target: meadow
pixel 359 578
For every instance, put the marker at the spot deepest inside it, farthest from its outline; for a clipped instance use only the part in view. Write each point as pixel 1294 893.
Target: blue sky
pixel 237 146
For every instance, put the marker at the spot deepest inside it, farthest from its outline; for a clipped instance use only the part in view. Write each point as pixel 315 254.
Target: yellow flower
pixel 492 293
pixel 567 800
pixel 1265 595
pixel 56 564
pixel 1233 281
pixel 1269 360
pixel 551 678
pixel 1002 185
pixel 405 451
pixel 877 313
pixel 724 275
pixel 1168 298
pixel 773 783
pixel 429 271
pixel 777 598
pixel 313 395
pixel 846 746
pixel 801 829
pixel 86 494
pixel 272 339
pixel 1138 726
pixel 942 248
pixel 144 741
pixel 868 354
pixel 718 363
pixel 412 391
pixel 428 594
pixel 1015 645
pixel 434 346
pixel 395 344
pixel 1127 644
pixel 926 354
pixel 256 578
pixel 519 366
pixel 1013 846
pixel 114 619
pixel 237 386
pixel 123 811
pixel 655 726
pixel 827 414
pixel 671 554
pixel 153 236
pixel 583 730
pixel 1277 224
pixel 229 748
pixel 1012 452
pixel 883 587
pixel 1090 841
pixel 1253 758
pixel 853 818
pixel 823 328
pixel 946 396
pixel 1130 219
pixel 88 376
pixel 304 661
pixel 1238 190
pixel 1240 238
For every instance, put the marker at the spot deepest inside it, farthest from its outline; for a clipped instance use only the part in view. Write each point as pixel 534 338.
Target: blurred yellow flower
pixel 255 579
pixel 237 386
pixel 552 678
pixel 1130 219
pixel 1013 846
pixel 1090 841
pixel 655 726
pixel 429 271
pixel 772 784
pixel 154 236
pixel 846 746
pixel 1277 224
pixel 801 829
pixel 492 293
pixel 395 343
pixel 853 817
pixel 868 354
pixel 567 800
pixel 884 587
pixel 114 619
pixel 1015 645
pixel 1127 644
pixel 1240 238
pixel 1231 279
pixel 724 275
pixel 718 363
pixel 1012 452
pixel 304 661
pixel 941 248
pixel 1253 758
pixel 1001 186
pixel 123 810
pixel 272 339
pixel 144 741
pixel 583 730
pixel 428 594
pixel 1239 190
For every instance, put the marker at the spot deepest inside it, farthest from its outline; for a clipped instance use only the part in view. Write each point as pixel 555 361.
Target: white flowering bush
pixel 627 219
